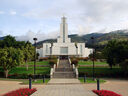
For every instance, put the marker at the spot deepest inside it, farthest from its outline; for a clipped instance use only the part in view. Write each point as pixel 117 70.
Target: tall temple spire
pixel 64 21
pixel 63 31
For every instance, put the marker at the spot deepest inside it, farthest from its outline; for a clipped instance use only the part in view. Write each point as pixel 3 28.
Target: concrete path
pixel 7 86
pixel 115 85
pixel 63 87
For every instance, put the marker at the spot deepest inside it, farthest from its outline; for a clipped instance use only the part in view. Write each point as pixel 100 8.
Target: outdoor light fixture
pixel 93 70
pixel 35 39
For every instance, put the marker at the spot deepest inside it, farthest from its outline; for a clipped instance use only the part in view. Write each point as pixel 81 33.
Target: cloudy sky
pixel 41 18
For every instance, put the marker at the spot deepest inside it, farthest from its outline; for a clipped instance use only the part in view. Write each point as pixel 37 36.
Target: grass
pixel 38 63
pixel 38 81
pixel 90 63
pixel 22 70
pixel 89 80
pixel 26 81
pixel 101 71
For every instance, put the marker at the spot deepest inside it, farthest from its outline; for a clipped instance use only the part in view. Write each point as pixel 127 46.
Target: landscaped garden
pixel 45 63
pixel 91 63
pixel 89 80
pixel 105 93
pixel 21 92
pixel 101 71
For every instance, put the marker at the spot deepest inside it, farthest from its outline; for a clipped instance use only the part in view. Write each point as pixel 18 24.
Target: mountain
pixel 99 38
pixel 1 38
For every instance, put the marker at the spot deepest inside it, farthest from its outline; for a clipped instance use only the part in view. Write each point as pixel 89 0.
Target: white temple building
pixel 64 46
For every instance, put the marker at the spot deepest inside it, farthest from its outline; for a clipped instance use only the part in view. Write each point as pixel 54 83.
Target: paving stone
pixel 63 87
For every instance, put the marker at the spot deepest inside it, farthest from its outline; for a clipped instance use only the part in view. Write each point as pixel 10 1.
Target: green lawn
pixel 100 71
pixel 22 70
pixel 90 63
pixel 26 81
pixel 89 80
pixel 38 81
pixel 38 63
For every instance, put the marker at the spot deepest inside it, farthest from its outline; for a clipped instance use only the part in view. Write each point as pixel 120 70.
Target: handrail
pixel 77 73
pixel 75 70
pixel 69 61
pixel 52 70
pixel 58 60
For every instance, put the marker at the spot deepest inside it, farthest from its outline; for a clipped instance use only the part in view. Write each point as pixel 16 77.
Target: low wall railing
pixel 52 71
pixel 75 70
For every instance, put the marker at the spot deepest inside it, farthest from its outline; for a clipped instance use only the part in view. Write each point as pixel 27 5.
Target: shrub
pixel 52 57
pixel 43 58
pixel 21 92
pixel 75 62
pixel 105 93
pixel 52 62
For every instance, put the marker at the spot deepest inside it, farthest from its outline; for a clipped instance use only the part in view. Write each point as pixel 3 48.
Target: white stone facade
pixel 64 46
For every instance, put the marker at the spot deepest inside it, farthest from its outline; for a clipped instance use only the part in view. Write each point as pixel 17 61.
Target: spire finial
pixel 63 15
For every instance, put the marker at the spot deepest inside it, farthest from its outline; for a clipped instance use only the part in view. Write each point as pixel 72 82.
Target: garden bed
pixel 105 93
pixel 21 92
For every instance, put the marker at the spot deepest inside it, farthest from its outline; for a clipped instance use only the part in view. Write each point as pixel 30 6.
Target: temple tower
pixel 63 32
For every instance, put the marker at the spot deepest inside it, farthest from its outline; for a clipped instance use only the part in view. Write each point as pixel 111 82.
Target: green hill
pixel 100 38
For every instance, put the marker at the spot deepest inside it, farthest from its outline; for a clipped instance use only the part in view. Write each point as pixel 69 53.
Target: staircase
pixel 64 70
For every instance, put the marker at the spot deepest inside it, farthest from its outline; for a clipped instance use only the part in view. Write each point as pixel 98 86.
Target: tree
pixel 116 53
pixel 28 51
pixel 10 58
pixel 108 52
pixel 8 41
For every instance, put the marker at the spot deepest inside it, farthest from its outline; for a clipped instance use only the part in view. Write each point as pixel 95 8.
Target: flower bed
pixel 21 92
pixel 105 93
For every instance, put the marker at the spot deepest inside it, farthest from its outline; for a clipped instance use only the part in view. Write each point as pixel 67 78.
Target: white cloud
pixel 39 35
pixel 2 12
pixel 12 12
pixel 83 16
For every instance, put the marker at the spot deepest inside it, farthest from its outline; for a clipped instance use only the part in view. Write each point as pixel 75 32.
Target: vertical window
pixel 47 49
pixel 63 32
pixel 81 49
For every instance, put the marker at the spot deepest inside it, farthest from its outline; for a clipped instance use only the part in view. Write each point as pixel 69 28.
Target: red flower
pixel 21 92
pixel 105 93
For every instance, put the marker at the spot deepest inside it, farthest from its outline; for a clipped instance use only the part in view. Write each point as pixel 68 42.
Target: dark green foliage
pixel 10 41
pixel 102 72
pixel 10 58
pixel 43 58
pixel 116 53
pixel 52 62
pixel 13 53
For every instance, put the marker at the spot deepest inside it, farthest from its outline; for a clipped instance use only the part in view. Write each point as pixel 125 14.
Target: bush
pixel 84 58
pixel 52 62
pixel 21 92
pixel 52 57
pixel 105 93
pixel 75 62
pixel 18 76
pixel 43 58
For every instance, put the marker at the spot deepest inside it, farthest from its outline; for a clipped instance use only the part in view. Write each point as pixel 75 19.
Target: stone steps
pixel 64 70
pixel 63 75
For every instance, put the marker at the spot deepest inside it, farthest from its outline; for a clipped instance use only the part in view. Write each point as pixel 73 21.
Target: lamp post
pixel 35 39
pixel 93 70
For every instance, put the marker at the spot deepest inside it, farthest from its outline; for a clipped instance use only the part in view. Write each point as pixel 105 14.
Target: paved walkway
pixel 116 85
pixel 64 87
pixel 7 86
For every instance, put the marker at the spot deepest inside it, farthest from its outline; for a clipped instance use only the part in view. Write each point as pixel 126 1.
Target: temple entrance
pixel 63 57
